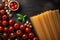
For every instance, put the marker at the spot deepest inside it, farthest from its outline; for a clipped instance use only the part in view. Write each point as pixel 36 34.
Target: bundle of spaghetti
pixel 47 25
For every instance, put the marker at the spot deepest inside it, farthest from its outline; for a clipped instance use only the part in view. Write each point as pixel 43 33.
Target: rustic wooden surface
pixel 33 7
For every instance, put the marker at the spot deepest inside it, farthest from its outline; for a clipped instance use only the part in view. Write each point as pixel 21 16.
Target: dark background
pixel 33 7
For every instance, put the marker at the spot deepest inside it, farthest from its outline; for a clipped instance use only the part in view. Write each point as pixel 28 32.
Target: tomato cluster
pixel 13 5
pixel 10 29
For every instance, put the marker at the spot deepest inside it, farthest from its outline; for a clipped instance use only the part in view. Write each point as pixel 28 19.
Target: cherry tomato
pixel 0 22
pixel 31 35
pixel 15 3
pixel 13 7
pixel 1 29
pixel 16 6
pixel 16 25
pixel 19 33
pixel 11 4
pixel 16 39
pixel 9 38
pixel 12 35
pixel 5 29
pixel 5 35
pixel 35 38
pixel 5 23
pixel 24 36
pixel 4 17
pixel 11 28
pixel 2 12
pixel 22 27
pixel 11 21
pixel 27 30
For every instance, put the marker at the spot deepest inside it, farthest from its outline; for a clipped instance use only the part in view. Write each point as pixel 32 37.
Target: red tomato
pixel 35 38
pixel 15 3
pixel 5 23
pixel 31 35
pixel 12 7
pixel 11 21
pixel 12 4
pixel 4 17
pixel 16 6
pixel 5 29
pixel 27 30
pixel 1 29
pixel 22 27
pixel 11 28
pixel 2 12
pixel 24 36
pixel 9 39
pixel 16 25
pixel 12 35
pixel 5 35
pixel 0 22
pixel 19 33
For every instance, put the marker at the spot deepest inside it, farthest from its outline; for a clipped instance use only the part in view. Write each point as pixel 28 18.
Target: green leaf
pixel 19 15
pixel 19 18
pixel 25 16
pixel 23 20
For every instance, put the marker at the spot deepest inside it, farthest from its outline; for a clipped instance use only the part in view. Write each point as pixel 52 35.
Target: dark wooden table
pixel 33 7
